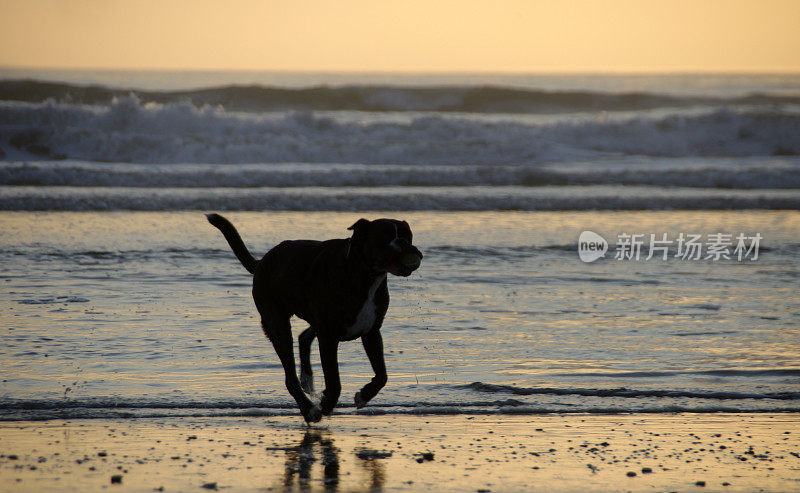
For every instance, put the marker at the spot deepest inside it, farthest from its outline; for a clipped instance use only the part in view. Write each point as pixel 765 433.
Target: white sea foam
pixel 134 132
pixel 741 173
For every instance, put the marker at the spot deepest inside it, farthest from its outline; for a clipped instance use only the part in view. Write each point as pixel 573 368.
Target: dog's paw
pixel 313 415
pixel 307 382
pixel 360 402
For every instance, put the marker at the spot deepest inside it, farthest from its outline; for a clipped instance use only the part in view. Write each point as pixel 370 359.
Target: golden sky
pixel 409 35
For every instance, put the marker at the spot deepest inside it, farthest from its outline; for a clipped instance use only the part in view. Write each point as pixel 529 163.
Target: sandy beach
pixel 578 452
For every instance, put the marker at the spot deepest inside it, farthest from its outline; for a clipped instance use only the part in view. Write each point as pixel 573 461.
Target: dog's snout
pixel 411 249
pixel 411 258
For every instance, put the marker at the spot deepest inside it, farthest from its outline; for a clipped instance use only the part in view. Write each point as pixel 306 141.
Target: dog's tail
pixel 234 240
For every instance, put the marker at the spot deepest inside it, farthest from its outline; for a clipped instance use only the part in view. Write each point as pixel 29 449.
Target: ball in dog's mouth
pixel 410 260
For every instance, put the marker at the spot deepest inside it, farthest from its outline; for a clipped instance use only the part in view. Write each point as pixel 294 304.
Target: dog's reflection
pixel 317 445
pixel 375 470
pixel 299 460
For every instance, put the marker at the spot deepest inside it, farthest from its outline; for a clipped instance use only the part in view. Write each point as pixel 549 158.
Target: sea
pixel 592 243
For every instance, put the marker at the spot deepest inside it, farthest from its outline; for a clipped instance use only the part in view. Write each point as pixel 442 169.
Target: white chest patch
pixel 366 316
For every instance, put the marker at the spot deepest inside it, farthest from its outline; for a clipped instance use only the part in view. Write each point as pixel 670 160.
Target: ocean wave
pixel 108 408
pixel 131 131
pixel 767 173
pixel 115 256
pixel 761 372
pixel 505 253
pixel 380 98
pixel 629 393
pixel 393 198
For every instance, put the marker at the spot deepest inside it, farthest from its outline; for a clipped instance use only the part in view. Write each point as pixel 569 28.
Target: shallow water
pixel 149 313
pixel 106 311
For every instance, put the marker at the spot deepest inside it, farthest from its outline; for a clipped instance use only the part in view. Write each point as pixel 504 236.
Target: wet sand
pixel 632 452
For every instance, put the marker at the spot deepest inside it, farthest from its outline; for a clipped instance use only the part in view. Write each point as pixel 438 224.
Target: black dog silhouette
pixel 337 286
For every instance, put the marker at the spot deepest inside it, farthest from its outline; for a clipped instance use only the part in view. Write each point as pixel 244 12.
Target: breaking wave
pixel 132 131
pixel 767 173
pixel 380 98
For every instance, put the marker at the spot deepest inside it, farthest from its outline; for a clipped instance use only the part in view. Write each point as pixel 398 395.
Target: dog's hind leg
pixel 304 345
pixel 279 332
pixel 373 345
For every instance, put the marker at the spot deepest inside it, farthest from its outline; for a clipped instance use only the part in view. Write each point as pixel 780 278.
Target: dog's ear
pixel 359 225
pixel 408 228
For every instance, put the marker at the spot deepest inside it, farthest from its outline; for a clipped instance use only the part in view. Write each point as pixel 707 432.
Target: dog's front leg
pixel 373 345
pixel 328 349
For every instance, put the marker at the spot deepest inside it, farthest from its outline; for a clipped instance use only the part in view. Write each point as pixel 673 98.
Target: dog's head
pixel 385 245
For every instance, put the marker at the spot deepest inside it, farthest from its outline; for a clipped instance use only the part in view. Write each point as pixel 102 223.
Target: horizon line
pixel 610 72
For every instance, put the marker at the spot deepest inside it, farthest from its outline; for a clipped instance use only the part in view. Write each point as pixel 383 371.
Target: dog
pixel 339 287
